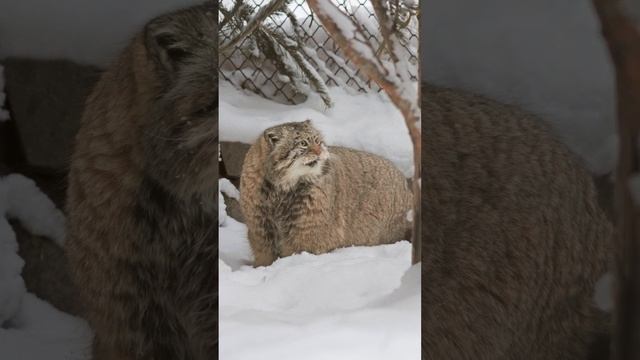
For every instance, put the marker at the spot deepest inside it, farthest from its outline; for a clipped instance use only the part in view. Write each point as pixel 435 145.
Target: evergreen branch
pixel 254 23
pixel 313 77
pixel 280 57
pixel 322 66
pixel 229 15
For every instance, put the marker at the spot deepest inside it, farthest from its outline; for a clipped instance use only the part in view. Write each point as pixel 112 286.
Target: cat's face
pixel 180 138
pixel 296 152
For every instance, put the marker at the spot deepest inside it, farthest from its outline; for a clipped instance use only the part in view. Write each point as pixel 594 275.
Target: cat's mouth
pixel 311 163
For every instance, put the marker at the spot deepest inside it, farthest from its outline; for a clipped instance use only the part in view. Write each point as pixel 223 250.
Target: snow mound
pixel 229 189
pixel 225 186
pixel 222 210
pixel 40 331
pixel 29 327
pixel 352 303
pixel 368 122
pixel 21 199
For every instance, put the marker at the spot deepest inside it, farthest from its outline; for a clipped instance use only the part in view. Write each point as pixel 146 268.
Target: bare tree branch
pixel 386 26
pixel 623 39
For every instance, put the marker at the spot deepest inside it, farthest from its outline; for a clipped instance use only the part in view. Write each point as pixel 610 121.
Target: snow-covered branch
pixel 251 34
pixel 254 23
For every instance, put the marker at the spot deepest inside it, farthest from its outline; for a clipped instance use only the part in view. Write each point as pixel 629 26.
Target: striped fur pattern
pixel 141 200
pixel 298 195
pixel 513 236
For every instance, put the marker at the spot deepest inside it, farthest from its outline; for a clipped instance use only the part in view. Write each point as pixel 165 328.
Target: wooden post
pixel 623 39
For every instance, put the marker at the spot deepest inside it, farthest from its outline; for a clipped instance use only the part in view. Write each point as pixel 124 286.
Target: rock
pixel 45 271
pixel 233 208
pixel 233 154
pixel 46 98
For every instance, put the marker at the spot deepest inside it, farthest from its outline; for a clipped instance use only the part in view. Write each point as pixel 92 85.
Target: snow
pixel 222 210
pixel 352 303
pixel 547 56
pixel 21 199
pixel 228 188
pixel 29 327
pixel 225 186
pixel 410 215
pixel 39 331
pixel 368 122
pixel 410 3
pixel 4 114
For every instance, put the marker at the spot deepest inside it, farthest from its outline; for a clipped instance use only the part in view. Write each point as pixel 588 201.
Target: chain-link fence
pixel 247 68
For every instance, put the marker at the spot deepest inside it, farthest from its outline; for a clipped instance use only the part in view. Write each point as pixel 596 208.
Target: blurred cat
pixel 513 236
pixel 142 241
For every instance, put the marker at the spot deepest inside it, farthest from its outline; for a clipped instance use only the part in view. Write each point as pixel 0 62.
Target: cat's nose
pixel 316 149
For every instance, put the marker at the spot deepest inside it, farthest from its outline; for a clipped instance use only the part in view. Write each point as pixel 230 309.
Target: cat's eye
pixel 272 138
pixel 304 143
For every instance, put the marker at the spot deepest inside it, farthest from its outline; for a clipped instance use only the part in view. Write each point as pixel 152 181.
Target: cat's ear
pixel 165 43
pixel 272 137
pixel 307 122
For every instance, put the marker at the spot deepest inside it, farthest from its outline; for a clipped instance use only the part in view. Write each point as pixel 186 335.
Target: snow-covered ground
pixel 30 328
pixel 352 303
pixel 366 122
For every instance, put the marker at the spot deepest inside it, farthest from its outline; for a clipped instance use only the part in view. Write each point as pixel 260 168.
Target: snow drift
pixel 29 327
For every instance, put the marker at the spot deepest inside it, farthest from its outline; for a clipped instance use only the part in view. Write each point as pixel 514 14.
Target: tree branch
pixel 386 26
pixel 623 39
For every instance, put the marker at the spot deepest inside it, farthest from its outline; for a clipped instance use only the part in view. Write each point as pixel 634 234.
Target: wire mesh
pixel 244 68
